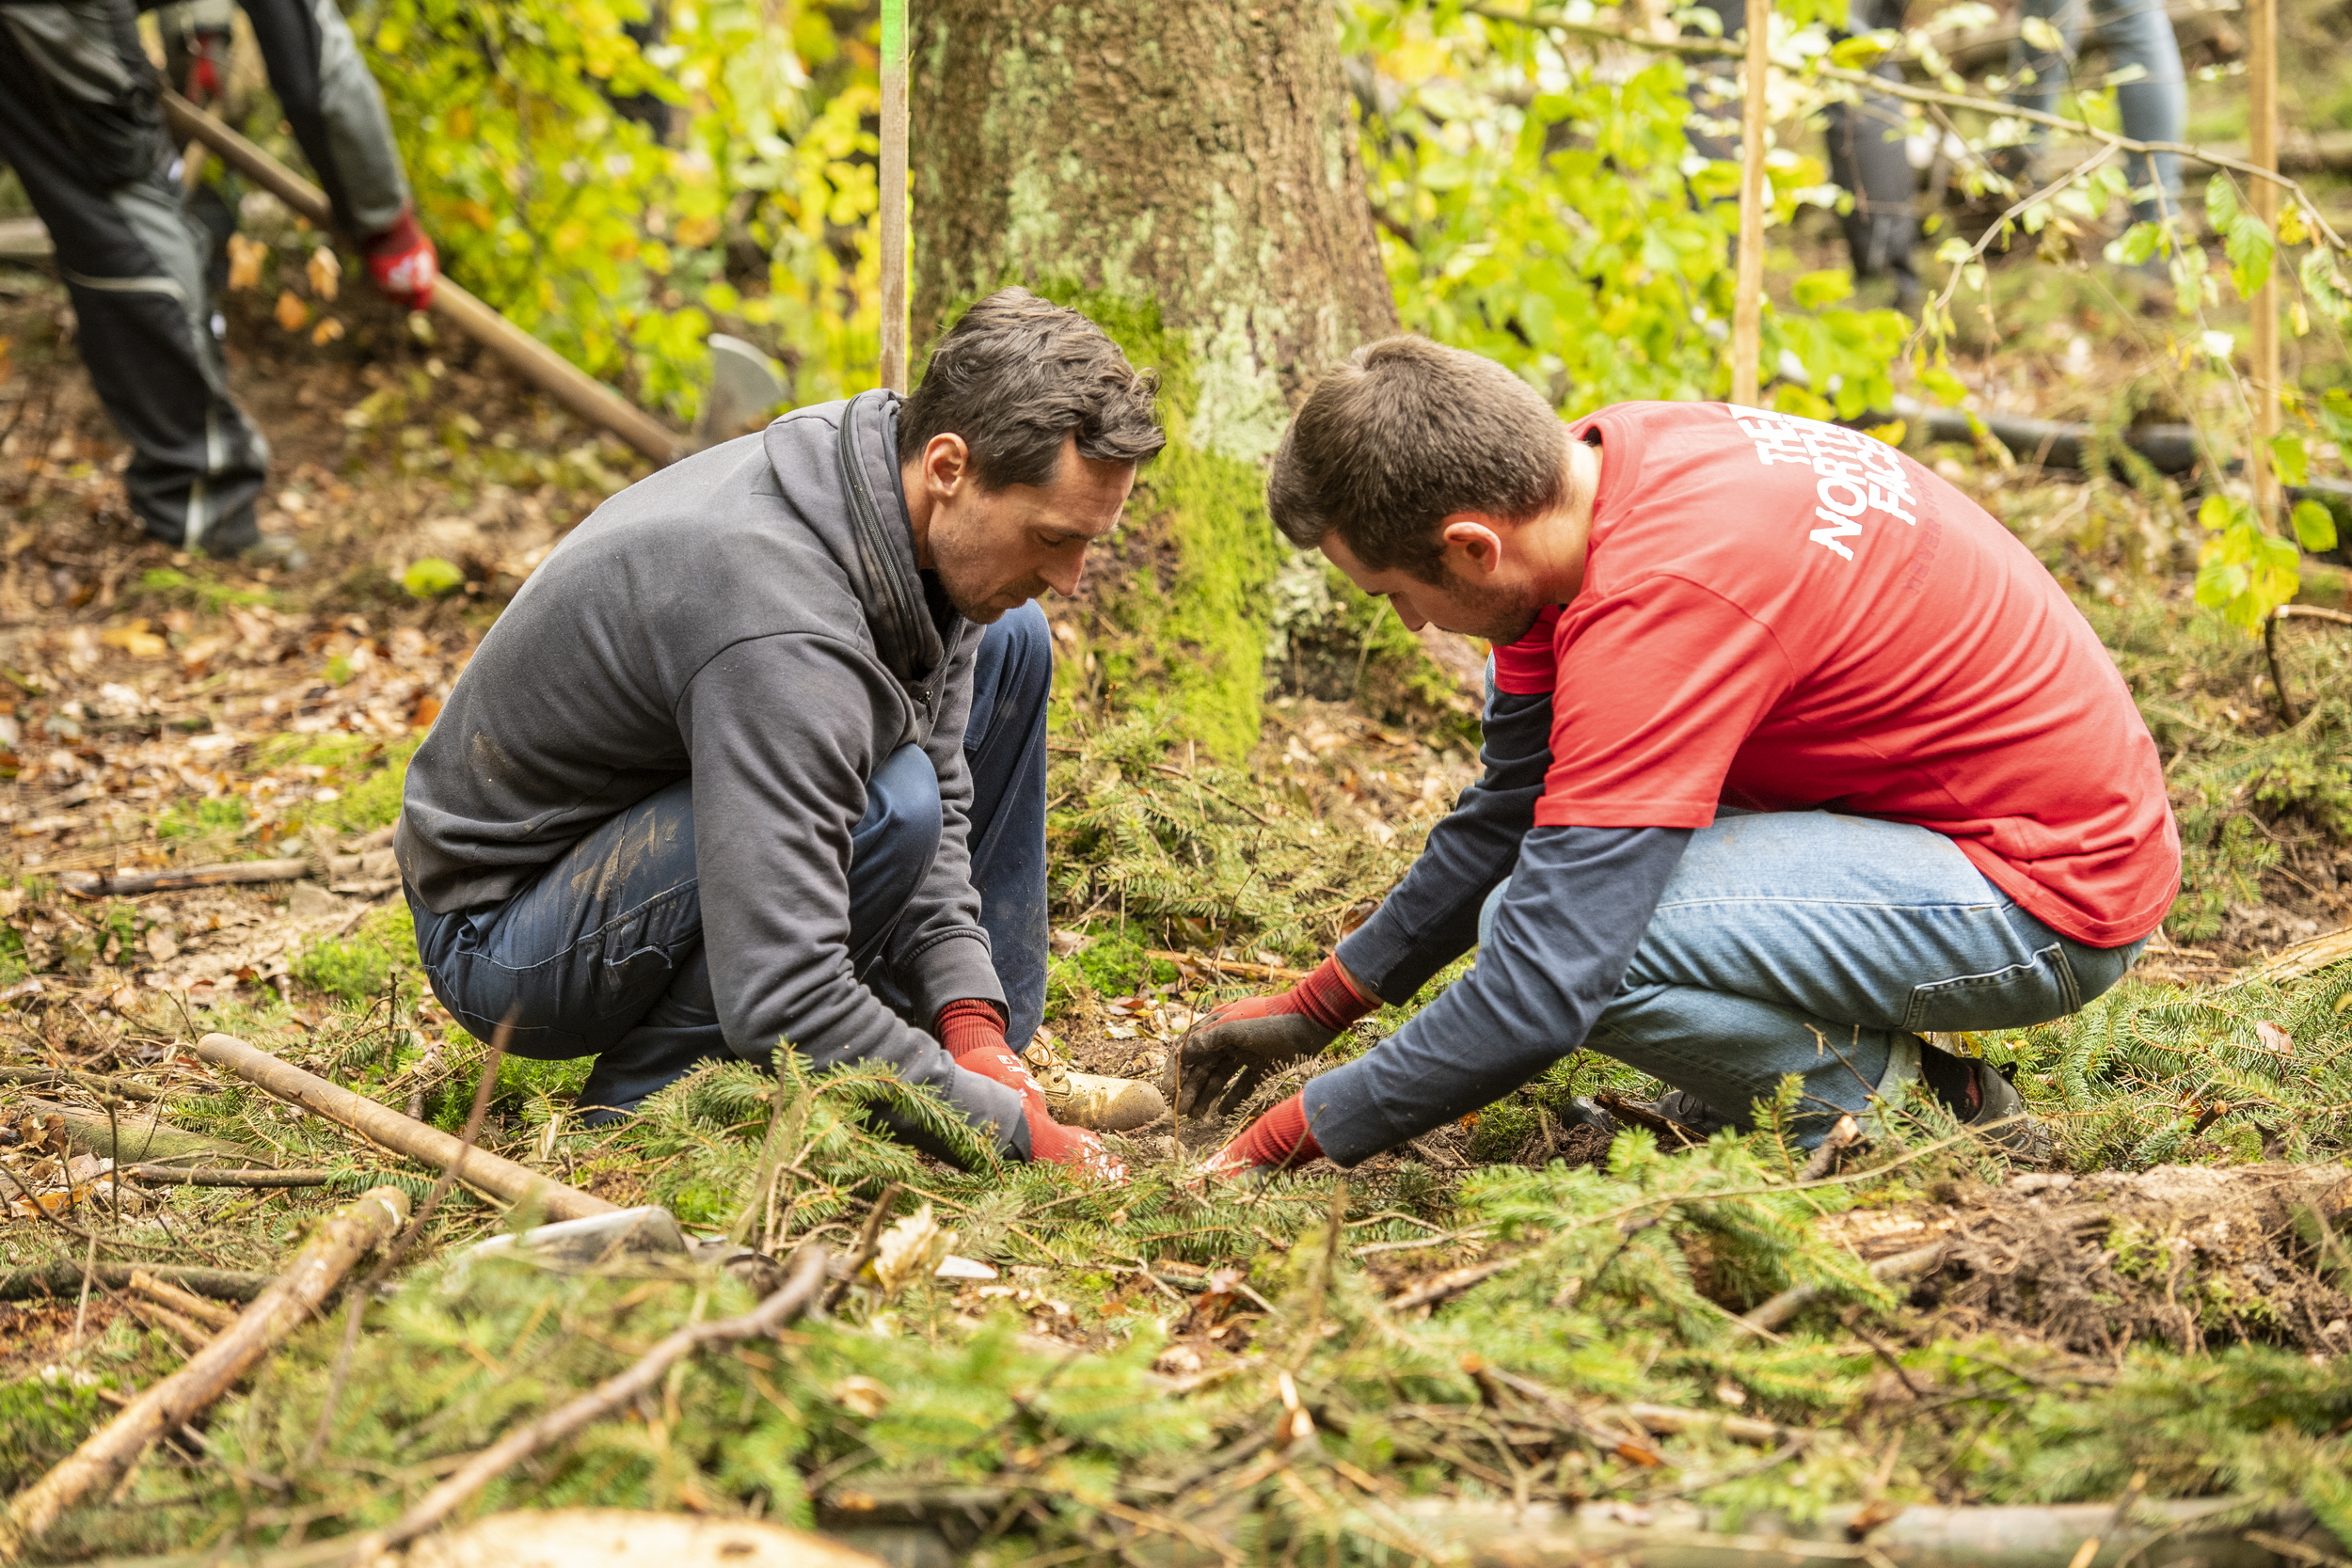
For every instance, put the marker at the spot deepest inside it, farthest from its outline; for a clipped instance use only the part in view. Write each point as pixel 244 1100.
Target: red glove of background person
pixel 974 1032
pixel 403 263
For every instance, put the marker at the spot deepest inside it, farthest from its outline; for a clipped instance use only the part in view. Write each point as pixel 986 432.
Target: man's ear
pixel 1476 537
pixel 946 462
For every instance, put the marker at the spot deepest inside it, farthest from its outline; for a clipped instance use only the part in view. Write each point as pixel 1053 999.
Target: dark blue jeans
pixel 602 955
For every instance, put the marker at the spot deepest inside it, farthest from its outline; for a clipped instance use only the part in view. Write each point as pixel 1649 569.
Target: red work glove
pixel 1280 1140
pixel 403 263
pixel 208 65
pixel 974 1032
pixel 1259 1035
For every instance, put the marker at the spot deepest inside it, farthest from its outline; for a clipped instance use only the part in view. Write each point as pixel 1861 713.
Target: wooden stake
pixel 1747 311
pixel 211 1373
pixel 893 195
pixel 2262 149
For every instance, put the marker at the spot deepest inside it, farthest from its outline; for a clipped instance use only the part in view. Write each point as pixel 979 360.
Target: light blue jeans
pixel 1822 945
pixel 2154 108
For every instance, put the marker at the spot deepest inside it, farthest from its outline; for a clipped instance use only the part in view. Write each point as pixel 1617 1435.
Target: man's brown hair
pixel 1401 436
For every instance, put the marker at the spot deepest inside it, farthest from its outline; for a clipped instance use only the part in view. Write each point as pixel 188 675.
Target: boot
pixel 1089 1100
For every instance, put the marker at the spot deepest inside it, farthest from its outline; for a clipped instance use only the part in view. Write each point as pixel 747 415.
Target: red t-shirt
pixel 1783 615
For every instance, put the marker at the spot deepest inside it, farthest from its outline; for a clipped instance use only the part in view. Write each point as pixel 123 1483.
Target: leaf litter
pixel 1507 1311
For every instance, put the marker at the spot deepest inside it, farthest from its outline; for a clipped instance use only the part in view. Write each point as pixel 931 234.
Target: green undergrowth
pixel 1026 1415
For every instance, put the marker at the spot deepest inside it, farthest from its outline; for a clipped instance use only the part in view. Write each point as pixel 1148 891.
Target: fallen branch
pixel 1229 966
pixel 186 1303
pixel 172 1176
pixel 101 884
pixel 286 1305
pixel 1452 1283
pixel 805 1278
pixel 380 1124
pixel 65 1278
pixel 58 1078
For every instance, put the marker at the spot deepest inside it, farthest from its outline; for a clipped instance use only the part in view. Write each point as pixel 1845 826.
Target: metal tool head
pixel 744 391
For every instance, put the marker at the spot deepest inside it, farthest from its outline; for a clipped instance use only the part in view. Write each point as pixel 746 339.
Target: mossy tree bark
pixel 1185 171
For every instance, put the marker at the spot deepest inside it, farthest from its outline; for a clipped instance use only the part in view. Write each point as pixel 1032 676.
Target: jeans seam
pixel 588 938
pixel 1921 996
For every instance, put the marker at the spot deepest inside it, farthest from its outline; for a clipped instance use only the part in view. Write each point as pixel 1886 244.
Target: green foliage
pixel 42 1418
pixel 2243 569
pixel 201 589
pixel 615 248
pixel 221 813
pixel 357 967
pixel 1539 211
pixel 431 578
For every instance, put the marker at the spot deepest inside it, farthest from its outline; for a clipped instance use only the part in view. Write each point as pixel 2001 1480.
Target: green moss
pixel 42 1418
pixel 199 819
pixel 357 967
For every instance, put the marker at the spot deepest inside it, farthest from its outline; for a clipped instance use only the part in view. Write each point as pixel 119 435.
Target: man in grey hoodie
pixel 757 756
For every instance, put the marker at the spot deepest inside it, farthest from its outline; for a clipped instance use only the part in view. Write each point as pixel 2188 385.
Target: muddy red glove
pixel 974 1034
pixel 208 64
pixel 403 263
pixel 1280 1140
pixel 1235 1047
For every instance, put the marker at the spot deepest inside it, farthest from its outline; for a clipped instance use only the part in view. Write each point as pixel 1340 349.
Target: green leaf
pixel 2221 207
pixel 1944 386
pixel 1858 54
pixel 431 578
pixel 1827 287
pixel 2325 287
pixel 2140 243
pixel 2217 513
pixel 2287 458
pixel 2315 526
pixel 2248 241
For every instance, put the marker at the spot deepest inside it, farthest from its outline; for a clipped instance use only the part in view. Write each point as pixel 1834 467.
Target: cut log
pixel 380 1124
pixel 101 884
pixel 100 1461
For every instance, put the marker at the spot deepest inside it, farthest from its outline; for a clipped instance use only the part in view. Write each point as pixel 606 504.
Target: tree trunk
pixel 1186 173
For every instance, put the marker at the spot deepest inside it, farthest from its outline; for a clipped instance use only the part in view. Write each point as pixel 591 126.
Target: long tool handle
pixel 2262 149
pixel 562 380
pixel 893 195
pixel 380 1124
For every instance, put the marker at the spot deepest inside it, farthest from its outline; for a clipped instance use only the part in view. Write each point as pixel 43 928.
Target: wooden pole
pixel 288 1304
pixel 562 380
pixel 893 195
pixel 1747 311
pixel 2262 148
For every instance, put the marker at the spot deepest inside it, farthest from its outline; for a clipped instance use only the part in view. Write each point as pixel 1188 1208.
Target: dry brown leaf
pixel 291 312
pixel 135 640
pixel 326 332
pixel 244 262
pixel 326 272
pixel 2274 1039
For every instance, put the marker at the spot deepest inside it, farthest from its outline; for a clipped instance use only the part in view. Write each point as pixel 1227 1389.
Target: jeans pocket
pixel 2014 997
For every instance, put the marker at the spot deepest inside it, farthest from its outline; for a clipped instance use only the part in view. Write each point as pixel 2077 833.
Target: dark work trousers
pixel 80 125
pixel 1883 226
pixel 613 966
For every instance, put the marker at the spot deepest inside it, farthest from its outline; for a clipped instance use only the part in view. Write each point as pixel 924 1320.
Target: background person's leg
pixel 1869 158
pixel 1810 943
pixel 1005 748
pixel 78 123
pixel 2154 108
pixel 334 108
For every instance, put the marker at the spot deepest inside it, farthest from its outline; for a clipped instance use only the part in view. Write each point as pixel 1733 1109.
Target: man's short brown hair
pixel 1404 436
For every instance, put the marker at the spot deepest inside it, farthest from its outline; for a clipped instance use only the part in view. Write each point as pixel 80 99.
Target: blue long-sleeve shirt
pixel 1578 901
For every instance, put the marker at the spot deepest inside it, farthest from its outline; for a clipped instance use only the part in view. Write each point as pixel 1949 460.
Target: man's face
pixel 1476 597
pixel 994 550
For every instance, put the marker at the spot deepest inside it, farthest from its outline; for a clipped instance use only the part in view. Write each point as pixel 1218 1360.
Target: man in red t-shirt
pixel 1793 756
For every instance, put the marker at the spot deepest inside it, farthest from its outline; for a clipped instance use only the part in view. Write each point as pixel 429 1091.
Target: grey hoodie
pixel 752 617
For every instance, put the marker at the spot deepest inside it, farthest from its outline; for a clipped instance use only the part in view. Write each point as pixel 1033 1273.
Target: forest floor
pixel 1507 1312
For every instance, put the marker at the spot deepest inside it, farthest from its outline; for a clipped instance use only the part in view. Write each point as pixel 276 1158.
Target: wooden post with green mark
pixel 893 195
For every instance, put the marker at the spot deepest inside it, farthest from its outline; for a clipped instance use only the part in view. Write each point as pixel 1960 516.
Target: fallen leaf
pixel 244 262
pixel 326 270
pixel 905 1251
pixel 862 1396
pixel 2274 1039
pixel 327 330
pixel 133 638
pixel 952 1267
pixel 291 312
